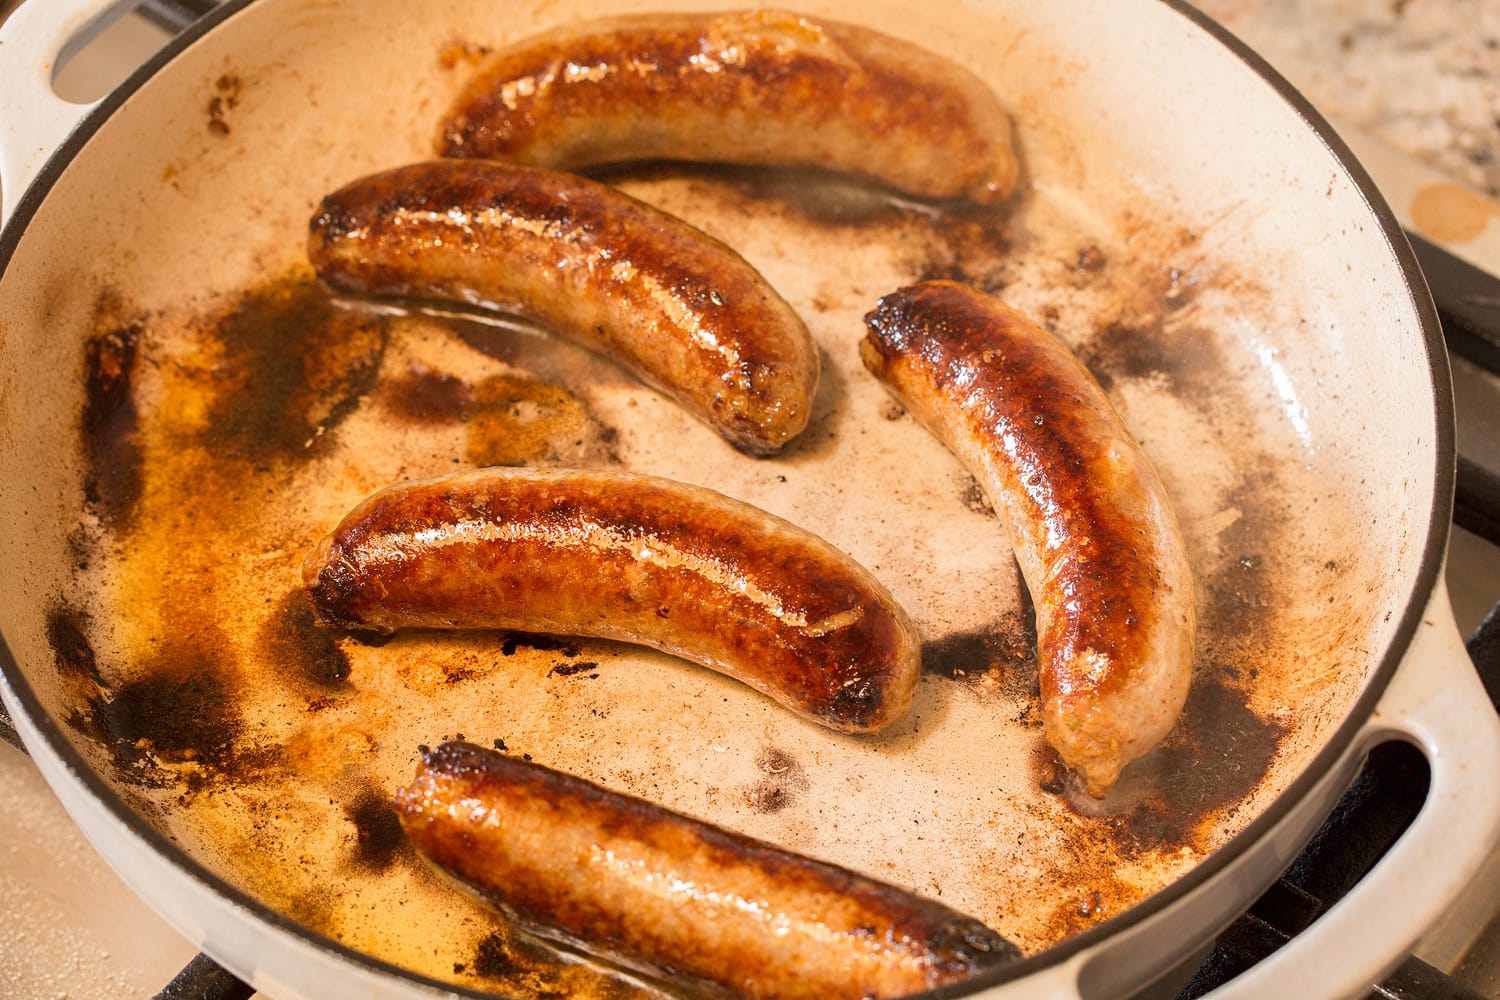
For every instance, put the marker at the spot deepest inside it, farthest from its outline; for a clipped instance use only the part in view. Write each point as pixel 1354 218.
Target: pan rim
pixel 1234 850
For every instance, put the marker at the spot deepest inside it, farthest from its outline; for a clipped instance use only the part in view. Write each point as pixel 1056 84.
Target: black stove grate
pixel 205 979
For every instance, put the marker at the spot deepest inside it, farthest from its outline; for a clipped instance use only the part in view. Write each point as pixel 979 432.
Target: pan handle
pixel 38 37
pixel 1436 702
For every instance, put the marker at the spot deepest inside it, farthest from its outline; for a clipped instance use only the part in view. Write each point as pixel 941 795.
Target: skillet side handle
pixel 39 36
pixel 1435 701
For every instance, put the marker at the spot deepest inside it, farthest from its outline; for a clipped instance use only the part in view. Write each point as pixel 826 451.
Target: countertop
pixel 1421 75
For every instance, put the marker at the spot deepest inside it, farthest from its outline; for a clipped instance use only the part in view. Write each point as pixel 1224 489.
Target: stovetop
pixel 70 928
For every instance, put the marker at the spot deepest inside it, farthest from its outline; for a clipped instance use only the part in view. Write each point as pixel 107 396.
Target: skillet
pixel 1259 321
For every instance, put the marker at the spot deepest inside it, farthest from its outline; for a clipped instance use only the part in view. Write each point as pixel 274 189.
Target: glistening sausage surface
pixel 657 891
pixel 1095 535
pixel 750 87
pixel 681 310
pixel 637 558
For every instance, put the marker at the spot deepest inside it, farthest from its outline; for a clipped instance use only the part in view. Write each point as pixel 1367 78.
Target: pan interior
pixel 183 414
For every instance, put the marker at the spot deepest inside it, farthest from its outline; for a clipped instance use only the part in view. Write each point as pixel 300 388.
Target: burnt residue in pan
pixel 548 643
pixel 997 659
pixel 1226 749
pixel 181 710
pixel 1217 757
pixel 377 829
pixel 225 99
pixel 67 635
pixel 111 424
pixel 174 717
pixel 565 669
pixel 1185 358
pixel 502 954
pixel 424 396
pixel 293 365
pixel 1084 902
pixel 510 962
pixel 1151 327
pixel 81 547
pixel 178 708
pixel 511 419
pixel 972 245
pixel 522 421
pixel 459 673
pixel 1241 598
pixel 1090 259
pixel 974 497
pixel 302 651
pixel 784 782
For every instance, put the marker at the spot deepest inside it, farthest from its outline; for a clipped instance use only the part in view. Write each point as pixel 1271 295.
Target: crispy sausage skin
pixel 681 310
pixel 1096 538
pixel 636 558
pixel 657 891
pixel 760 87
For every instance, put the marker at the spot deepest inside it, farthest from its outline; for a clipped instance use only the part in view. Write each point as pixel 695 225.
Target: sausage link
pixel 636 558
pixel 654 890
pixel 759 87
pixel 1095 535
pixel 681 310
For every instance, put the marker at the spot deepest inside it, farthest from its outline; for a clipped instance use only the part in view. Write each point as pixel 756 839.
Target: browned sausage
pixel 681 310
pixel 657 891
pixel 637 558
pixel 759 87
pixel 1092 527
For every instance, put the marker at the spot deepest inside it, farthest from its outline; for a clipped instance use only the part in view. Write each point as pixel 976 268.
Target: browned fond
pixel 661 892
pixel 753 87
pixel 630 557
pixel 1093 531
pixel 681 310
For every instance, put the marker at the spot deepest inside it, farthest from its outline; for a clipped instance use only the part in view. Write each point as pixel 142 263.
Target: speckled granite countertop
pixel 1422 75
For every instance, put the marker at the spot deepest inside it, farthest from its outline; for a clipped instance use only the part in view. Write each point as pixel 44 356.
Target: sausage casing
pixel 637 558
pixel 681 310
pixel 1095 535
pixel 759 87
pixel 657 891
